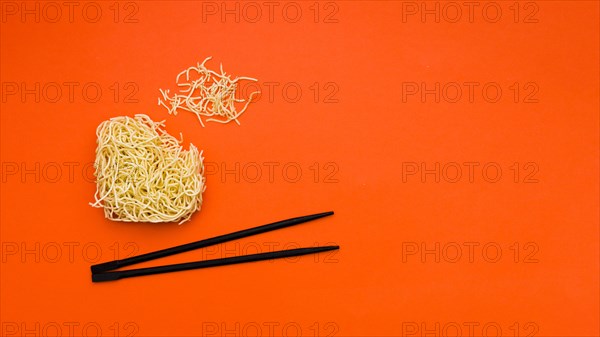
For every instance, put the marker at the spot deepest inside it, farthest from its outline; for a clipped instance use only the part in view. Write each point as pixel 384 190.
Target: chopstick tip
pixel 103 277
pixel 323 214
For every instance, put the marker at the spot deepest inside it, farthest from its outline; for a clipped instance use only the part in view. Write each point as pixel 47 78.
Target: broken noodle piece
pixel 207 94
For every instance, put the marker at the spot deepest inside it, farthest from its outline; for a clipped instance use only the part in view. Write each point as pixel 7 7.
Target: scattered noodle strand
pixel 211 94
pixel 143 174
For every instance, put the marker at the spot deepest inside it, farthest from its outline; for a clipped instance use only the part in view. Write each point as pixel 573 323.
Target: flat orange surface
pixel 457 143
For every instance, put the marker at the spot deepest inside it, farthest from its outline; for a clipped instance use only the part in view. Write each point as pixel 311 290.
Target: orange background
pixel 365 137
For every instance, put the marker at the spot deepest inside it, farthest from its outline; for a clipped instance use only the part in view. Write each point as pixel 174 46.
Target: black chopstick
pixel 106 266
pixel 116 275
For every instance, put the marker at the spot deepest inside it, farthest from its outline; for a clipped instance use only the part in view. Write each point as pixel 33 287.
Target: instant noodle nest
pixel 143 174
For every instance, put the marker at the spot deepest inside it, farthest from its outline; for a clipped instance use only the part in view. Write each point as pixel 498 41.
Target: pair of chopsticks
pixel 102 272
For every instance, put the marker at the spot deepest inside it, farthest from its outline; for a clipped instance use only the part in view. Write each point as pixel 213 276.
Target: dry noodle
pixel 207 94
pixel 143 174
